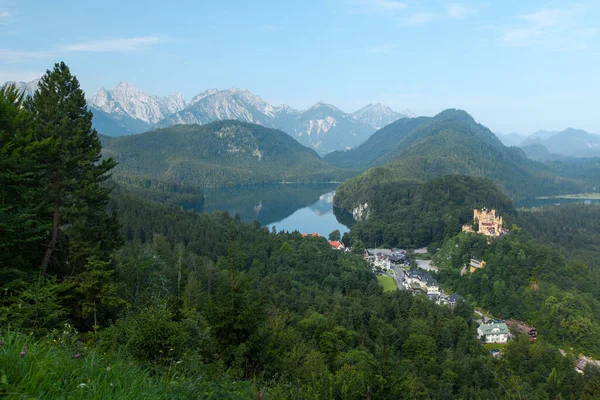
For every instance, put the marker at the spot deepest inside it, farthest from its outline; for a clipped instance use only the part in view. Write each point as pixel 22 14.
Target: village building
pixel 422 280
pixel 495 332
pixel 336 244
pixel 451 300
pixel 476 264
pixel 488 223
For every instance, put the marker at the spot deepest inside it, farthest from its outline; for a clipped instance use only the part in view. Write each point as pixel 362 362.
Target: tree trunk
pixel 54 238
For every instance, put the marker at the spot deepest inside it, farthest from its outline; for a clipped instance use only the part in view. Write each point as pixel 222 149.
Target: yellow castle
pixel 489 224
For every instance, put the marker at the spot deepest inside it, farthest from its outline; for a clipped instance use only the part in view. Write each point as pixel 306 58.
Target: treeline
pixel 170 193
pixel 411 214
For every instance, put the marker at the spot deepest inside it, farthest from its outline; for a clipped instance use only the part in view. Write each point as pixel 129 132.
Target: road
pixel 399 276
pixel 426 265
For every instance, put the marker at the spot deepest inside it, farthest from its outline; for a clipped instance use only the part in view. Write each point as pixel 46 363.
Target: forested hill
pixel 368 153
pixel 453 143
pixel 223 153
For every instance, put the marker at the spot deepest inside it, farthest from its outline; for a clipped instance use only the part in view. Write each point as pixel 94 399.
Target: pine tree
pixel 20 227
pixel 70 167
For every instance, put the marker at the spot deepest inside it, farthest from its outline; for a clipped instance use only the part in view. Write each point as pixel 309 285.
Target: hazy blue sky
pixel 514 65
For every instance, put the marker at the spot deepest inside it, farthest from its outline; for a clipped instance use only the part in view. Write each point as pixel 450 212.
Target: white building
pixel 493 332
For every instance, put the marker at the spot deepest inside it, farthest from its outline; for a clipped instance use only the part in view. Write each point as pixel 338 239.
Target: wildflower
pixel 54 341
pixel 171 349
pixel 82 385
pixel 24 348
pixel 160 351
pixel 76 356
pixel 22 354
pixel 108 368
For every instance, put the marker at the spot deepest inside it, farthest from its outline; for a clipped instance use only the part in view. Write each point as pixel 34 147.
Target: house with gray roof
pixel 426 282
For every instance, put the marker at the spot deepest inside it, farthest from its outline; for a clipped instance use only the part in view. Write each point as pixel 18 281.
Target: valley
pixel 203 251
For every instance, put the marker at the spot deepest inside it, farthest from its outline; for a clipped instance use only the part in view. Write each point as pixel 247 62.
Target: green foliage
pixel 529 282
pixel 411 214
pixel 67 154
pixel 53 369
pixel 335 235
pixel 223 153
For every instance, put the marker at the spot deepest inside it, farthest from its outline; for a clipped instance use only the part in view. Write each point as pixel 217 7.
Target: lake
pixel 306 208
pixel 529 203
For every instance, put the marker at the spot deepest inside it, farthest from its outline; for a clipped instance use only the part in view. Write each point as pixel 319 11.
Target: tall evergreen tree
pixel 20 226
pixel 70 167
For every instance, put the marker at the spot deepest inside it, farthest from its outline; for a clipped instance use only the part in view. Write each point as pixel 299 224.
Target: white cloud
pixel 113 45
pixel 555 28
pixel 458 11
pixel 4 14
pixel 17 56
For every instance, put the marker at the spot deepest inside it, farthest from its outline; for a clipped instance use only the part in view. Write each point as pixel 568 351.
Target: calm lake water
pixel 305 208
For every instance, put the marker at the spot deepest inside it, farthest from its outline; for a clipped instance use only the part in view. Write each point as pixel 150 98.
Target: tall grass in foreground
pixel 48 369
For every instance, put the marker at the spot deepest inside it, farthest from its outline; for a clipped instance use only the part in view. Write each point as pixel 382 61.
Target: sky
pixel 515 66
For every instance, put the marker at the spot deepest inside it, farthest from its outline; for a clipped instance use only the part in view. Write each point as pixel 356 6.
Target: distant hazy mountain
pixel 126 99
pixel 511 139
pixel 221 153
pixel 537 151
pixel 326 128
pixel 231 104
pixel 372 152
pixel 452 142
pixel 378 115
pixel 126 110
pixel 323 127
pixel 26 87
pixel 568 143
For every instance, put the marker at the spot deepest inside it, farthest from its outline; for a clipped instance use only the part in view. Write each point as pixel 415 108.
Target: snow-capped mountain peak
pixel 377 115
pixel 127 99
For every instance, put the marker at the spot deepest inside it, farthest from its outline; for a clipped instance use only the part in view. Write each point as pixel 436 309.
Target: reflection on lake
pixel 305 208
pixel 529 203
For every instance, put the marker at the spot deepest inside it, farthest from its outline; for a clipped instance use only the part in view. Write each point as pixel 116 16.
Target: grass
pixel 388 283
pixel 51 370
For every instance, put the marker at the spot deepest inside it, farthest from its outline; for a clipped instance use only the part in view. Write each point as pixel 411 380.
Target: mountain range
pixel 452 142
pixel 220 153
pixel 573 143
pixel 126 110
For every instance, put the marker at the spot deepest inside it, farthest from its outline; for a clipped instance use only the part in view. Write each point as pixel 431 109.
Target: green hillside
pixel 376 146
pixel 224 153
pixel 414 214
pixel 453 143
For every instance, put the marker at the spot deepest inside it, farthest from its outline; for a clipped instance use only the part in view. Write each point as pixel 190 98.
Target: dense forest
pixel 410 214
pixel 531 281
pixel 106 294
pixel 222 153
